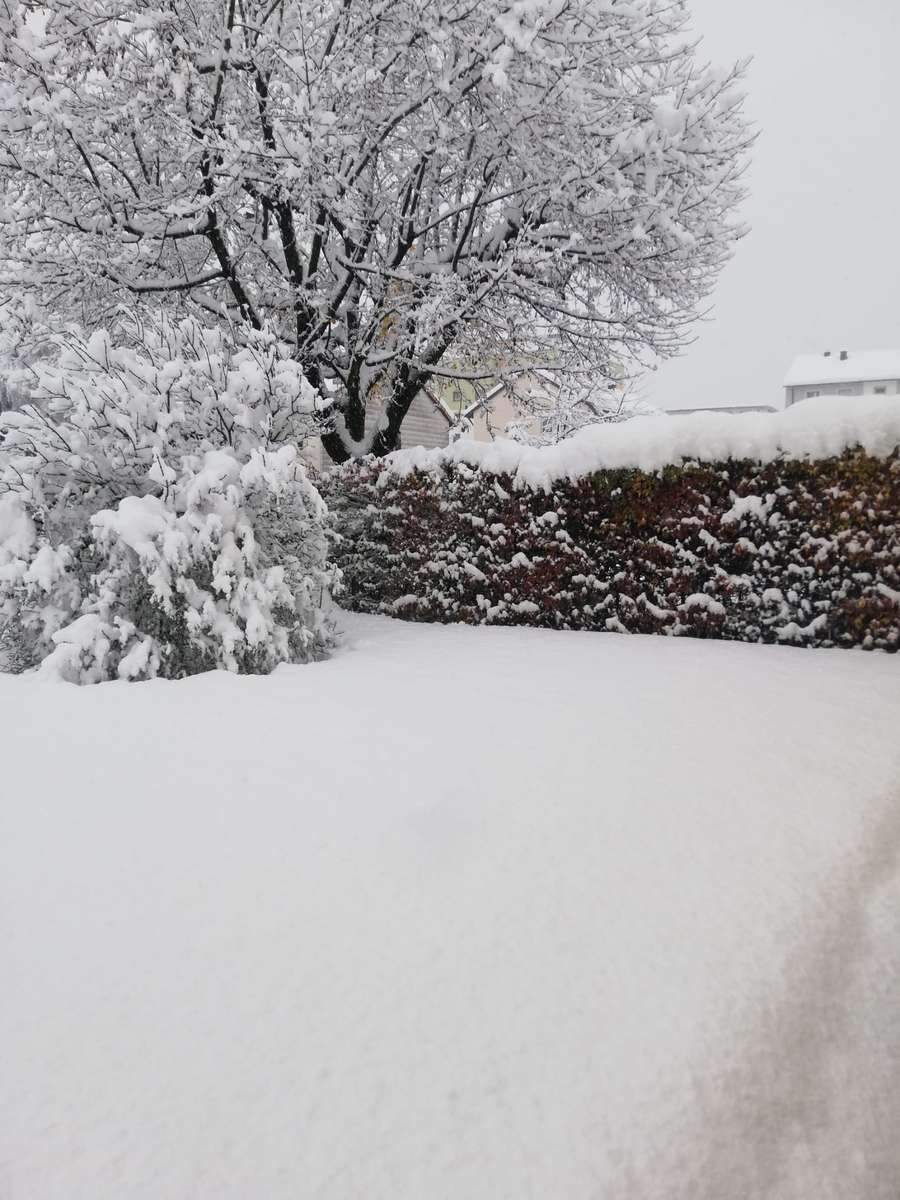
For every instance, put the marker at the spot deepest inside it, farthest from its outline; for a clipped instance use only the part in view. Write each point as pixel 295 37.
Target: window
pixel 808 394
pixel 881 390
pixel 845 391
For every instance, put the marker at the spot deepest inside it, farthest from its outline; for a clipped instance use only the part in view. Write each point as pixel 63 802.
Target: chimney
pixel 843 356
pixel 828 354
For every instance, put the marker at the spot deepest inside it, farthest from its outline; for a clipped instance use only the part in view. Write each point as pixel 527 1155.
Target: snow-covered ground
pixel 630 928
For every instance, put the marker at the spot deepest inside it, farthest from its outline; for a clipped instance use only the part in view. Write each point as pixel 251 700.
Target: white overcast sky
pixel 820 268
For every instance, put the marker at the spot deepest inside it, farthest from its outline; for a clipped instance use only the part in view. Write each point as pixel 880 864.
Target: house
pixel 427 423
pixel 530 402
pixel 488 416
pixel 847 373
pixel 444 406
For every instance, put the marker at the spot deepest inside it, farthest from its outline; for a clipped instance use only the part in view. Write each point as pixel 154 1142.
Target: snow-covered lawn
pixel 632 929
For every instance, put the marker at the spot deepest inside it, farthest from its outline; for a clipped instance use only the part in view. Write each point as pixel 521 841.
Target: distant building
pixel 731 409
pixel 847 373
pixel 488 416
pixel 530 405
pixel 426 424
pixel 440 409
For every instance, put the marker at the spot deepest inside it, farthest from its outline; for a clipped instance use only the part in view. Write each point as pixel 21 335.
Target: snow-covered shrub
pixel 803 550
pixel 155 515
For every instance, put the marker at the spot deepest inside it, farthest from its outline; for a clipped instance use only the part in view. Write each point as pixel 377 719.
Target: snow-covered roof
pixel 859 366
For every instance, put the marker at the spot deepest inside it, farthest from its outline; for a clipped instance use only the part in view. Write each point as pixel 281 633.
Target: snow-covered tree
pixel 389 185
pixel 155 517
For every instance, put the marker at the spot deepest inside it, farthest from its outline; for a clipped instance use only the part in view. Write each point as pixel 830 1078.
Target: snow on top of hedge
pixel 817 428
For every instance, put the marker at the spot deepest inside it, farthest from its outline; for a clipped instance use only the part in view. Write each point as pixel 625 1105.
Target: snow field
pixel 488 913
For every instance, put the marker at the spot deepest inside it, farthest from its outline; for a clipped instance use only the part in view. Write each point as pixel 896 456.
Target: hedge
pixel 805 551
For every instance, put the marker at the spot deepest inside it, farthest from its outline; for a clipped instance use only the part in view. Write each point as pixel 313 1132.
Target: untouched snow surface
pixel 464 914
pixel 818 428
